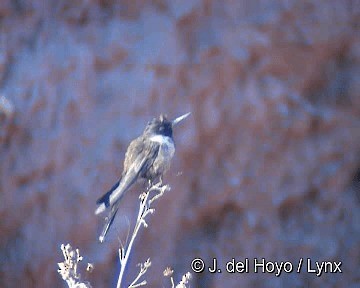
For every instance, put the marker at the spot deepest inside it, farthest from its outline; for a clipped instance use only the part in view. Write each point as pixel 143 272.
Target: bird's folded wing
pixel 134 169
pixel 129 178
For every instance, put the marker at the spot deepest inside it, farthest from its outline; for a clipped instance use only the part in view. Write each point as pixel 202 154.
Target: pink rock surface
pixel 267 166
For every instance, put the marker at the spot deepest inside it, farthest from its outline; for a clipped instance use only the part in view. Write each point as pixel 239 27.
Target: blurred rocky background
pixel 268 165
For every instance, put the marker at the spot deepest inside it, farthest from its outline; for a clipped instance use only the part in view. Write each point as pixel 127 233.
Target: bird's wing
pixel 134 149
pixel 145 156
pixel 152 152
pixel 105 198
pixel 139 166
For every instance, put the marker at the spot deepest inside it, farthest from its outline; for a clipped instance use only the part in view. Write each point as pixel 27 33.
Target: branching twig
pixel 144 210
pixel 143 268
pixel 69 268
pixel 184 280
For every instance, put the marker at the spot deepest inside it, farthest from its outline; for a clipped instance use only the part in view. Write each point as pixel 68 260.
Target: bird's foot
pixel 160 188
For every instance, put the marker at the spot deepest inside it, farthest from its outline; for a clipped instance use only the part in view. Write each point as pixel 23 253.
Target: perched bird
pixel 147 156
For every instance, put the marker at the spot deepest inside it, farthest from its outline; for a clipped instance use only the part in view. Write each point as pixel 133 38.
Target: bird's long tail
pixel 112 199
pixel 108 221
pixel 104 201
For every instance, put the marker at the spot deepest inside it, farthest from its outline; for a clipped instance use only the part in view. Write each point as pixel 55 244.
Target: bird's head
pixel 163 126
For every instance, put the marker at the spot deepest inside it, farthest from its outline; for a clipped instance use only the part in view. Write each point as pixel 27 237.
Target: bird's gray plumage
pixel 147 156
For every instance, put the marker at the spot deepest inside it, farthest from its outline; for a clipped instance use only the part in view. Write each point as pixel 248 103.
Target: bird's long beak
pixel 178 119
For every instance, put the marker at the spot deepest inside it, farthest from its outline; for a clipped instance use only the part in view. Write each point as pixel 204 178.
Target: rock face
pixel 267 166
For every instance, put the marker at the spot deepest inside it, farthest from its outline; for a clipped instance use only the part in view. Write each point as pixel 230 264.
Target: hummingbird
pixel 148 156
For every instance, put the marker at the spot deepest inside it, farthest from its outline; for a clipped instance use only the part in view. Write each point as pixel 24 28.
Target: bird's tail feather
pixel 108 221
pixel 104 201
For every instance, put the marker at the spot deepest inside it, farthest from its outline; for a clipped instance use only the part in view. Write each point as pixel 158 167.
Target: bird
pixel 147 156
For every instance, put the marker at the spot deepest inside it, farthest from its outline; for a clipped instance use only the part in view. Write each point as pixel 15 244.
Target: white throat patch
pixel 167 147
pixel 162 140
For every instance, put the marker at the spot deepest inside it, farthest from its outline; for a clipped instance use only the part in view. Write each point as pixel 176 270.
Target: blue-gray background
pixel 266 166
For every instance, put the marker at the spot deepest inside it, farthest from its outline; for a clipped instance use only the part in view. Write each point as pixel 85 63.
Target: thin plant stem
pixel 144 210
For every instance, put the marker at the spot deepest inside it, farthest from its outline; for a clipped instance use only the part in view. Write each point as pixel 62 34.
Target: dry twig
pixel 69 268
pixel 144 210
